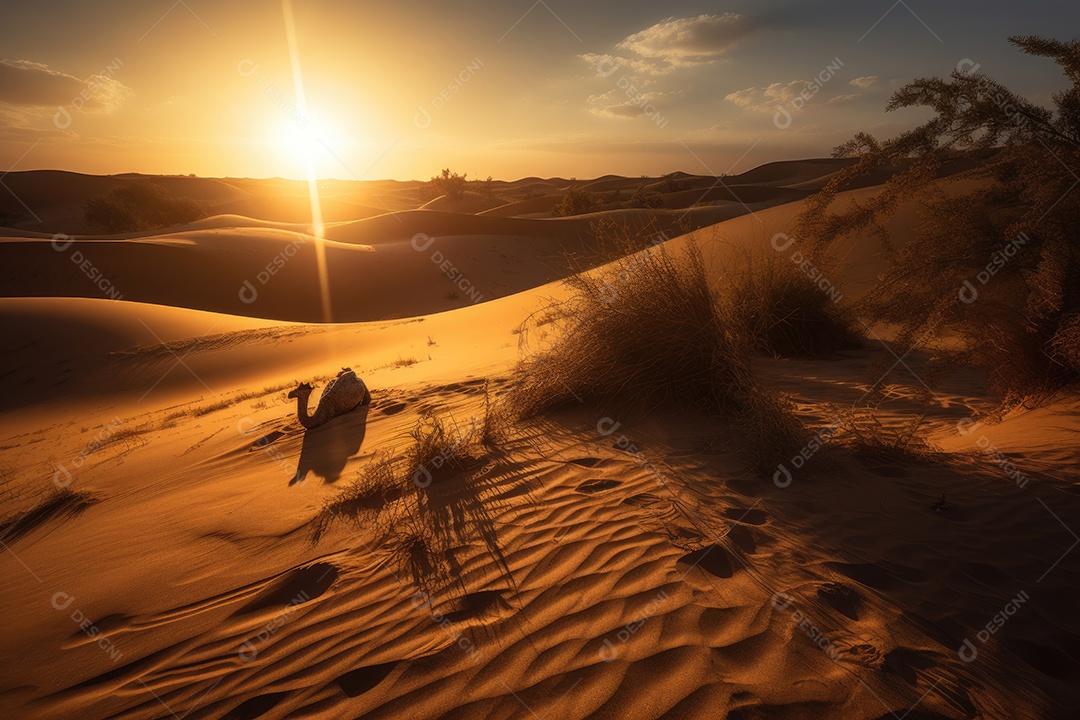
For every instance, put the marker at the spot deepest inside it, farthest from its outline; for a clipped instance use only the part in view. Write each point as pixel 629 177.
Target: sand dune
pixel 451 259
pixel 295 209
pixel 635 572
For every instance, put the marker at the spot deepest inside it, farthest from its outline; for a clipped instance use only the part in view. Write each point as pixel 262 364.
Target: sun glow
pixel 301 141
pixel 313 181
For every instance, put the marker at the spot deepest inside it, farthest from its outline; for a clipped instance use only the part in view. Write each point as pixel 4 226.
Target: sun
pixel 306 143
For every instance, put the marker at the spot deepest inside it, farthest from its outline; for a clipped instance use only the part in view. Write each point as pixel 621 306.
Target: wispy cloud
pixel 689 41
pixel 31 84
pixel 767 98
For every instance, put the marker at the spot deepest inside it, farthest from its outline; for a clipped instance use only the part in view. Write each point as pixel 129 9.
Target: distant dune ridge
pixel 437 558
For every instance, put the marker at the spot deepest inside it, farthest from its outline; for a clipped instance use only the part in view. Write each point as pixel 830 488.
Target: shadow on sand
pixel 326 449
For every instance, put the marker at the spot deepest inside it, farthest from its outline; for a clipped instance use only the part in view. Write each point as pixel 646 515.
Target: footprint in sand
pixel 393 409
pixel 597 485
pixel 297 587
pixel 256 706
pixel 743 537
pixel 846 601
pixel 486 604
pixel 589 462
pixel 748 517
pixel 359 681
pixel 713 559
pixel 266 440
pixel 641 500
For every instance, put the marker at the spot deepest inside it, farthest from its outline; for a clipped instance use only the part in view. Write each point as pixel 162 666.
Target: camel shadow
pixel 327 448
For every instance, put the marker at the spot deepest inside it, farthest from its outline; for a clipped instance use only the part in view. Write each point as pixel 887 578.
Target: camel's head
pixel 302 390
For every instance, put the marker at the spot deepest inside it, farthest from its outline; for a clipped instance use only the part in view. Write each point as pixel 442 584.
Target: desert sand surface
pixel 597 563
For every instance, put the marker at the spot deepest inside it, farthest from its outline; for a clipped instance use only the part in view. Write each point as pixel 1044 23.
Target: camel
pixel 343 394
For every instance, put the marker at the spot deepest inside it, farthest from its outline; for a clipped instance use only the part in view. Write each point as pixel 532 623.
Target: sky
pixel 506 88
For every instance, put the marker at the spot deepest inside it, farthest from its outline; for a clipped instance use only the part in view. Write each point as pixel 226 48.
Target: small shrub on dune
pixel 376 484
pixel 642 331
pixel 437 447
pixel 140 206
pixel 783 311
pixel 647 331
pixel 449 184
pixel 576 201
pixel 402 502
pixel 495 422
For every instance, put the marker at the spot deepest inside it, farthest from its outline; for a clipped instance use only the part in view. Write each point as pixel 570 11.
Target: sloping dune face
pixel 393 252
pixel 178 545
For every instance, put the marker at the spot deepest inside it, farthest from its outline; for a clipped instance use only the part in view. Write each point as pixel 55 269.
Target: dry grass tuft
pixel 438 447
pixel 376 485
pixel 872 441
pixel 645 331
pixel 783 311
pixel 58 505
pixel 642 331
pixel 408 504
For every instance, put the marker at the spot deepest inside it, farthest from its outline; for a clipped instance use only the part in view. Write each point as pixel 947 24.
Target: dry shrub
pixel 439 446
pixel 641 331
pixel 1065 345
pixel 647 330
pixel 872 441
pixel 993 262
pixel 376 485
pixel 495 422
pixel 783 311
pixel 410 505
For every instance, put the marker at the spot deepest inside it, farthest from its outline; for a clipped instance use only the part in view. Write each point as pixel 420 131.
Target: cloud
pixel 867 81
pixel 630 103
pixel 688 41
pixel 31 84
pixel 608 65
pixel 767 98
pixel 636 65
pixel 839 99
